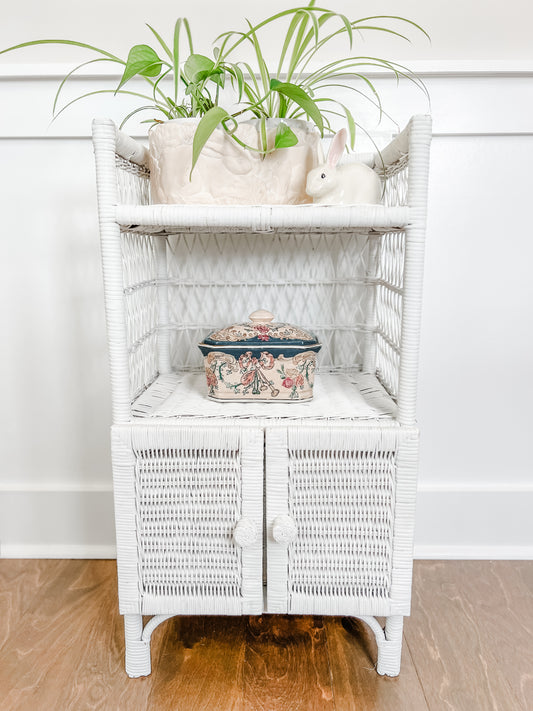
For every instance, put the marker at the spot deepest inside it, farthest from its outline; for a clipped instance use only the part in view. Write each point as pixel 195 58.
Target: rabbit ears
pixel 336 147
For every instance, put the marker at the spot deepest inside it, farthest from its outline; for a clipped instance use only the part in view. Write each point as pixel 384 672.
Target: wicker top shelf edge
pixel 169 219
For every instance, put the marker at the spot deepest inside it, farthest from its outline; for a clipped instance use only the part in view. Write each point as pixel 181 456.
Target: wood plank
pixel 469 647
pixel 20 581
pixel 356 685
pixel 96 675
pixel 198 664
pixel 453 656
pixel 286 664
pixel 503 610
pixel 44 664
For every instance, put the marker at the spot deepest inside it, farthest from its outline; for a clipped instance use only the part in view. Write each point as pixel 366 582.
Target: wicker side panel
pixel 388 309
pixel 140 289
pixel 133 182
pixel 341 486
pixel 396 183
pixel 191 488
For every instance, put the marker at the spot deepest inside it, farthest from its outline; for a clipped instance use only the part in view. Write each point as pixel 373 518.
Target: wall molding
pixel 424 68
pixel 462 100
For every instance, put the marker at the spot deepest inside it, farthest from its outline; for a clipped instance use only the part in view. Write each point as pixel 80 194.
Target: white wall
pixel 474 30
pixel 476 391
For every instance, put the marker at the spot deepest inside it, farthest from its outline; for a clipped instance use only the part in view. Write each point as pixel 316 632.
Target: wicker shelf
pixel 169 219
pixel 355 397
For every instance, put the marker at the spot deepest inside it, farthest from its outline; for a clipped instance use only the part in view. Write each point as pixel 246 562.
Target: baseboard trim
pixel 423 552
pixel 454 521
pixel 51 550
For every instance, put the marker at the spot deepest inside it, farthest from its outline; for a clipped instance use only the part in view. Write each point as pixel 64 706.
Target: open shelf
pixel 337 396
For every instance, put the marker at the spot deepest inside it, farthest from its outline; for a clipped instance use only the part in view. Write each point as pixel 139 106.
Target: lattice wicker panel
pixel 187 503
pixel 396 184
pixel 389 301
pixel 318 281
pixel 139 275
pixel 133 182
pixel 343 506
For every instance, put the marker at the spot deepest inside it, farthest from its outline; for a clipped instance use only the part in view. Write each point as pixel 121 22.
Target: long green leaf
pixel 176 57
pixel 263 69
pixel 80 66
pixel 392 17
pixel 138 110
pixel 189 35
pixel 296 51
pixel 161 41
pixel 269 20
pixel 108 91
pixel 206 126
pixel 302 98
pixel 69 42
pixel 288 37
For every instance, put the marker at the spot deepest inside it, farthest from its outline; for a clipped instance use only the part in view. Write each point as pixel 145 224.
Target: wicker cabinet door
pixel 334 541
pixel 189 512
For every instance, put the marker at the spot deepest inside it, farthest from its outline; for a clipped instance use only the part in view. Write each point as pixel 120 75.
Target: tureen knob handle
pixel 261 316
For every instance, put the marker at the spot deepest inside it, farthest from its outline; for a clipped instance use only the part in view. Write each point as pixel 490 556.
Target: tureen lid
pixel 261 332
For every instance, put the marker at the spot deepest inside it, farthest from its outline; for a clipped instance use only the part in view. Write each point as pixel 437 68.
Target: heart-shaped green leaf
pixel 285 137
pixel 199 67
pixel 141 60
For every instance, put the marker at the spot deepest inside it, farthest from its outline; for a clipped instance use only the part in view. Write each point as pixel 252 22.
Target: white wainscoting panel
pixel 476 392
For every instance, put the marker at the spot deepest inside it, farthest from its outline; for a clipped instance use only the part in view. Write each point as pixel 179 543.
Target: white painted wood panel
pixel 475 389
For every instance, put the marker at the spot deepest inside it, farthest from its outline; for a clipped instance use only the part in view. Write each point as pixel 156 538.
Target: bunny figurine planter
pixel 349 184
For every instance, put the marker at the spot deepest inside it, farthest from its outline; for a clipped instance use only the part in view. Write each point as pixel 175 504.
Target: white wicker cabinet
pixel 227 508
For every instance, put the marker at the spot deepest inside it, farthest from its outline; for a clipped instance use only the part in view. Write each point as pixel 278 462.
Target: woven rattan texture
pixel 343 506
pixel 187 503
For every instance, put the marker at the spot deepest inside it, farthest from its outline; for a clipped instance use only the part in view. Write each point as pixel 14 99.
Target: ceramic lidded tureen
pixel 260 360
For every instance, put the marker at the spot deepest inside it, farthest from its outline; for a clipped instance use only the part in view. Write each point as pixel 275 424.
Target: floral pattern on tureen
pixel 249 375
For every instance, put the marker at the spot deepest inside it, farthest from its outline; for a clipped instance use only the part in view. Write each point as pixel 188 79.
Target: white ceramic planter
pixel 227 174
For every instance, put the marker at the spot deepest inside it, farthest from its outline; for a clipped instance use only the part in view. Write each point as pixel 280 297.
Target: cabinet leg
pixel 390 647
pixel 137 648
pixel 389 641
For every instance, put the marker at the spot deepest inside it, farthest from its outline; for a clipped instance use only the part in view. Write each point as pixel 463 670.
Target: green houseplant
pixel 221 95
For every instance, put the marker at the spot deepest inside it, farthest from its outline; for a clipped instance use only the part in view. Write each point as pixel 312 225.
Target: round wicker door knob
pixel 245 533
pixel 284 530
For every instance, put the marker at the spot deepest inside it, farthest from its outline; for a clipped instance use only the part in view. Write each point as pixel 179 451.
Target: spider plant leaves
pixel 391 17
pixel 142 60
pixel 161 41
pixel 263 69
pixel 72 71
pixel 299 96
pixel 83 45
pixel 207 124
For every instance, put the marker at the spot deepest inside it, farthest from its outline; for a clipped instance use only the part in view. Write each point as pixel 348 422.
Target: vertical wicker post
pixel 104 139
pixel 419 141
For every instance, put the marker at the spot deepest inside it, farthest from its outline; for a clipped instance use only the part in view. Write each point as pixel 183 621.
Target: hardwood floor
pixel 467 645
